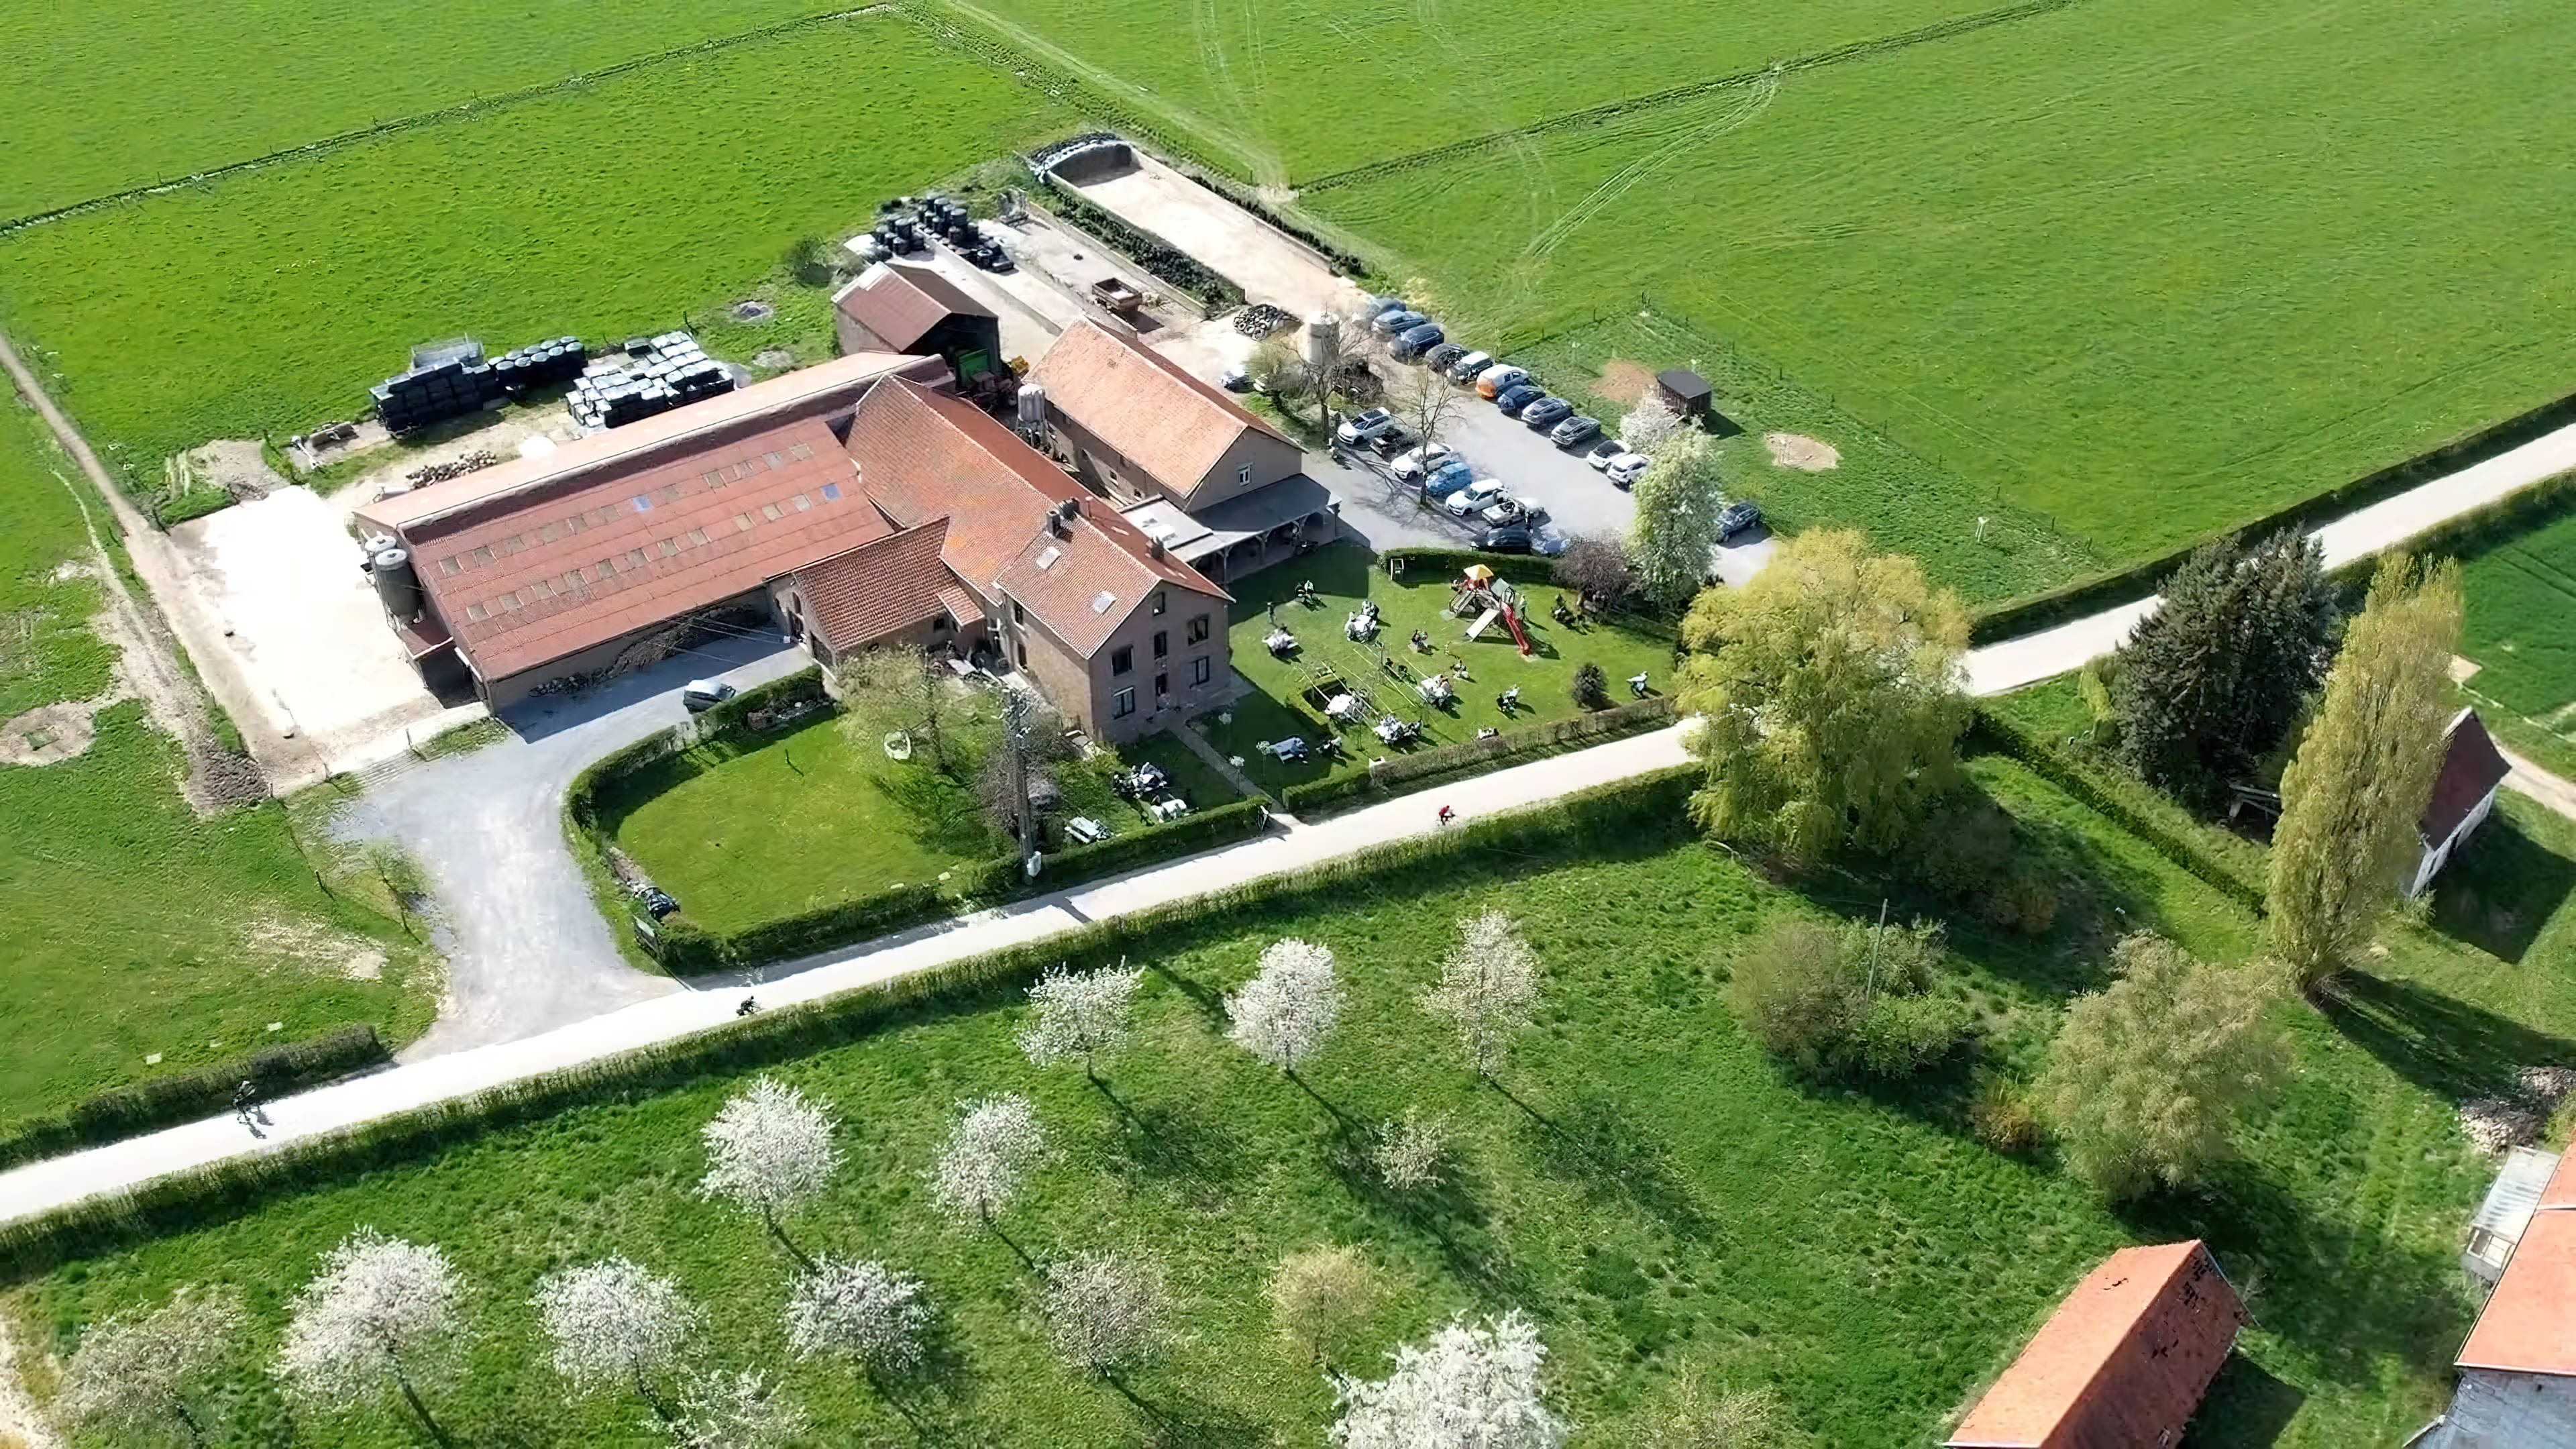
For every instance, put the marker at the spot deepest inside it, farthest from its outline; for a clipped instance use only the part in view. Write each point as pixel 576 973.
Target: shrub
pixel 2003 1120
pixel 1964 849
pixel 2025 900
pixel 1591 686
pixel 189 1096
pixel 1821 999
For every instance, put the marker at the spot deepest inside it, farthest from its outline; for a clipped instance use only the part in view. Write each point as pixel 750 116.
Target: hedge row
pixel 2137 581
pixel 1426 768
pixel 189 1096
pixel 190 1200
pixel 1423 565
pixel 1994 734
pixel 1343 260
pixel 734 715
pixel 1145 249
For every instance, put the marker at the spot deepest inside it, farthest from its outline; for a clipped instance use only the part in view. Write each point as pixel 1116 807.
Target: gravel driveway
pixel 526 949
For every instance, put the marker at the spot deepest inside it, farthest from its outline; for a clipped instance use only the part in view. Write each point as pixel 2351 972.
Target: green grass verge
pixel 1344 575
pixel 1655 1192
pixel 605 210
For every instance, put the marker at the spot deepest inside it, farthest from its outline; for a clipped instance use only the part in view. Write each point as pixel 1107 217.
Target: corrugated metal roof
pixel 2525 1326
pixel 1148 407
pixel 2515 1192
pixel 2125 1357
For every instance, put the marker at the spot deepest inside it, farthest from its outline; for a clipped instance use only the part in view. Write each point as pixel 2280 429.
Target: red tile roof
pixel 562 571
pixel 2471 767
pixel 2123 1360
pixel 2560 1190
pixel 1148 407
pixel 879 588
pixel 898 304
pixel 923 456
pixel 2526 1325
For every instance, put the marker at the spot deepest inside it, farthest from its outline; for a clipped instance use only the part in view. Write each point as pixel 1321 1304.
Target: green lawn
pixel 2521 633
pixel 813 816
pixel 1343 576
pixel 273 300
pixel 131 927
pixel 1714 1216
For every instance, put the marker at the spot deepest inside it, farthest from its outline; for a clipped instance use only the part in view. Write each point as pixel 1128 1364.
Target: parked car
pixel 1413 343
pixel 703 694
pixel 1506 513
pixel 1737 518
pixel 1440 358
pixel 1627 468
pixel 1375 305
pixel 1520 395
pixel 1360 427
pixel 1446 479
pixel 1391 442
pixel 1546 412
pixel 1602 451
pixel 1466 368
pixel 1574 432
pixel 1507 540
pixel 1423 461
pixel 1399 320
pixel 1493 381
pixel 1473 499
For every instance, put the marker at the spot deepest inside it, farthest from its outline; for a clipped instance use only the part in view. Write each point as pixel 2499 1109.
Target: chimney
pixel 1055 523
pixel 1070 508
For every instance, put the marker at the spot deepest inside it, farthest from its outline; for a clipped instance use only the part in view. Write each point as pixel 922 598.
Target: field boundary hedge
pixel 1991 733
pixel 1470 758
pixel 159 1102
pixel 686 948
pixel 2015 617
pixel 200 1196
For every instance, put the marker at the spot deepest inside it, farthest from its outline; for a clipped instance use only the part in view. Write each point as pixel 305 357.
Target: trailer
pixel 1116 295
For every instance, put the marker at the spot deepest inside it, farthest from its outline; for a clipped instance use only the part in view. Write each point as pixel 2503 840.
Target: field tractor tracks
pixel 1858 50
pixel 1625 179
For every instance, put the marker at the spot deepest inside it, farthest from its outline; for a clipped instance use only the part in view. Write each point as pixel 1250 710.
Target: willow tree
pixel 2351 798
pixel 1831 687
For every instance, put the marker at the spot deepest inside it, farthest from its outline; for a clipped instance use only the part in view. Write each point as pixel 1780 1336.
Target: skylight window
pixel 1047 559
pixel 1101 604
pixel 832 491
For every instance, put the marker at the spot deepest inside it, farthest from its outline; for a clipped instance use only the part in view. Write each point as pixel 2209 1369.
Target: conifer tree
pixel 2214 678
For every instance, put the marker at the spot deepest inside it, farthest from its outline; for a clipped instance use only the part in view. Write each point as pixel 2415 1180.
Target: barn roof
pixel 1148 407
pixel 1684 384
pixel 898 304
pixel 881 587
pixel 2126 1356
pixel 2472 766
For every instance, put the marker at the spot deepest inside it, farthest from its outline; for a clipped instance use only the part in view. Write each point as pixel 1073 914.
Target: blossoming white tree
pixel 770 1151
pixel 990 1151
pixel 612 1322
pixel 1106 1313
pixel 1649 425
pixel 381 1314
pixel 1412 1151
pixel 740 1410
pixel 1487 986
pixel 132 1374
pixel 1468 1388
pixel 1286 1011
pixel 863 1309
pixel 1081 1016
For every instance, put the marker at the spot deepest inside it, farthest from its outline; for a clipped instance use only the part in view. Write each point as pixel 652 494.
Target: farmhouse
pixel 1184 461
pixel 2123 1360
pixel 2517 1384
pixel 2463 795
pixel 897 307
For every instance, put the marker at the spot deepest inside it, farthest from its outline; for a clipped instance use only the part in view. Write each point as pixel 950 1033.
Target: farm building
pixel 2517 1384
pixel 2463 795
pixel 1186 462
pixel 2505 1212
pixel 896 307
pixel 2123 1360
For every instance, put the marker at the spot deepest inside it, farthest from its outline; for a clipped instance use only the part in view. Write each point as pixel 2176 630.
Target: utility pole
pixel 1015 718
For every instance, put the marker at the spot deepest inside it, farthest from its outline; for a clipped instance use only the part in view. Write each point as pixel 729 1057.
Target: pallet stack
pixel 648 376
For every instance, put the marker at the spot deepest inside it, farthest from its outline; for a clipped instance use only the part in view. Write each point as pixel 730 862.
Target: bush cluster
pixel 1856 1000
pixel 1969 851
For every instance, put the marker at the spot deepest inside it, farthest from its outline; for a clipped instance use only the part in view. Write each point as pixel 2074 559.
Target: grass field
pixel 1343 576
pixel 2109 262
pixel 2521 623
pixel 114 95
pixel 1858 1252
pixel 106 876
pixel 269 302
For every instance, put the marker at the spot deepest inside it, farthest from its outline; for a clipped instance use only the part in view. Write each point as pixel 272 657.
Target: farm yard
pixel 1657 1193
pixel 1345 575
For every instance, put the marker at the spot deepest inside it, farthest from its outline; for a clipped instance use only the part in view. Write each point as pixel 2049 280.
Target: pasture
pixel 2521 622
pixel 113 954
pixel 1651 1188
pixel 268 302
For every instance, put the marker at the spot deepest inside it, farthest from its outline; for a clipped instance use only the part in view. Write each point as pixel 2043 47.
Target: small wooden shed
pixel 1685 391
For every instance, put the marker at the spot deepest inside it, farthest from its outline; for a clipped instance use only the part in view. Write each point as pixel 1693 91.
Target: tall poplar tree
pixel 2351 800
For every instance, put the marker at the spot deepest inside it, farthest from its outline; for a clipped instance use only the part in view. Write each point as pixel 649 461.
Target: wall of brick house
pixel 1269 458
pixel 1085 691
pixel 1113 474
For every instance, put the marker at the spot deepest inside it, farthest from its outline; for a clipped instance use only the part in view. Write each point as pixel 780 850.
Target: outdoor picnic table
pixel 1342 706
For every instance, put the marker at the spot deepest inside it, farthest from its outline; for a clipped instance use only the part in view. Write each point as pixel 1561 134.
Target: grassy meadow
pixel 105 873
pixel 2132 268
pixel 2521 625
pixel 111 94
pixel 268 302
pixel 1649 1186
